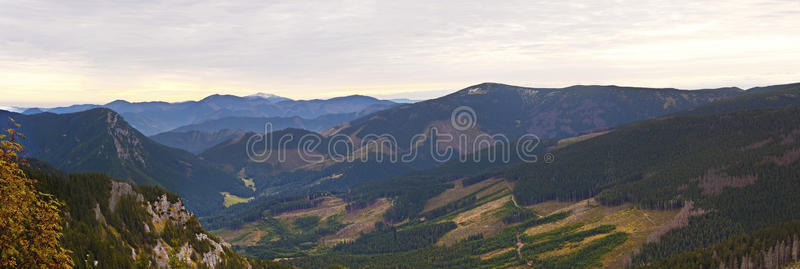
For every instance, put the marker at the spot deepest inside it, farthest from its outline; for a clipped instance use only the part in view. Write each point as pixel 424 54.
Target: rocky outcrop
pixel 119 189
pixel 161 254
pixel 127 145
pixel 213 257
pixel 160 212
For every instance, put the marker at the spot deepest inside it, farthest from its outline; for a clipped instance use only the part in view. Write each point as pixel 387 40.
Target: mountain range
pixel 669 184
pixel 155 117
pixel 495 109
pixel 201 136
pixel 624 177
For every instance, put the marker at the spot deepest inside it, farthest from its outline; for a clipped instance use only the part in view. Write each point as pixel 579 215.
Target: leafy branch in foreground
pixel 30 226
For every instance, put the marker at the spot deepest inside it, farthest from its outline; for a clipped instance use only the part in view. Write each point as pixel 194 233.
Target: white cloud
pixel 96 51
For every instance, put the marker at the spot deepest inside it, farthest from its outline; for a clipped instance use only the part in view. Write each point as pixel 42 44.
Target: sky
pixel 69 52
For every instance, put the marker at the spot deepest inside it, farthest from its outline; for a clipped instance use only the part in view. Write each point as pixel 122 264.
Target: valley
pixel 399 134
pixel 616 192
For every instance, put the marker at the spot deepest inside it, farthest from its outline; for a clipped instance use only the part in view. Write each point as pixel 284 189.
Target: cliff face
pixel 175 237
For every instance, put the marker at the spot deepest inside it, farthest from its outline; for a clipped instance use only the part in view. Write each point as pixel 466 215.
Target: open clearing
pixel 231 199
pixel 637 223
pixel 249 183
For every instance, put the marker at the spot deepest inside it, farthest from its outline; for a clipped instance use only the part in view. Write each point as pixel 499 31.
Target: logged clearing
pixel 549 207
pixel 359 221
pixel 485 219
pixel 457 192
pixel 494 189
pixel 572 140
pixel 231 199
pixel 637 223
pixel 330 206
pixel 497 252
pixel 249 235
pixel 571 247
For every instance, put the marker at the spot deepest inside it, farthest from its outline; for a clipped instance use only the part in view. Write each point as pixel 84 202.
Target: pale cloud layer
pixel 63 52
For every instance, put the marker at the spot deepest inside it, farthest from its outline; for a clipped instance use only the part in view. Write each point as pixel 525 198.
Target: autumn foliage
pixel 30 225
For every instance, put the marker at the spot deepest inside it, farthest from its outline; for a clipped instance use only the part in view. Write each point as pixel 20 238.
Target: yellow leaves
pixel 30 220
pixel 14 122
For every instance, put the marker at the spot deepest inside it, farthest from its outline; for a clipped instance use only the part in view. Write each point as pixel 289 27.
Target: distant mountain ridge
pixel 268 96
pixel 196 141
pixel 155 117
pixel 200 136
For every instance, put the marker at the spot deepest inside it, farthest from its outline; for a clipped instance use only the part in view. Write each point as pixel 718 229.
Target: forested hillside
pixel 739 170
pixel 547 113
pixel 770 97
pixel 113 224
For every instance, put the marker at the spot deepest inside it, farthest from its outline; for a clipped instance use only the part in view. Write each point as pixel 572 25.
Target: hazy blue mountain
pixel 200 136
pixel 256 124
pixel 196 141
pixel 405 101
pixel 268 96
pixel 155 117
pixel 61 110
pixel 196 138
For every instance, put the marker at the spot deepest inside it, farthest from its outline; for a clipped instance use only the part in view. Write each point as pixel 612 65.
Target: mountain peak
pixel 118 102
pixel 268 96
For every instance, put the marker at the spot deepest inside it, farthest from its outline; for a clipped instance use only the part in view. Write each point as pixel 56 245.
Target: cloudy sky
pixel 64 52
